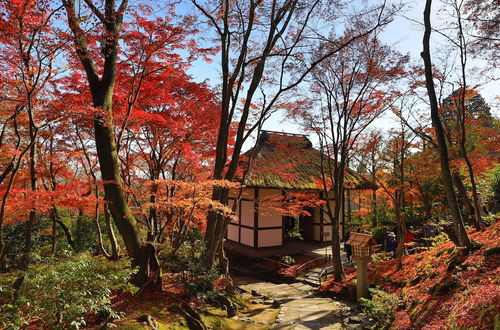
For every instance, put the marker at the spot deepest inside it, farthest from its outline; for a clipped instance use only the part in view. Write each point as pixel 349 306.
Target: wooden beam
pixel 256 219
pixel 321 216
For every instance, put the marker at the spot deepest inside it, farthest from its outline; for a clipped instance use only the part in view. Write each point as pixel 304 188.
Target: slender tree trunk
pixel 65 228
pixel 338 271
pixel 478 220
pixel 30 225
pixel 458 225
pixel 462 193
pixel 102 89
pixel 348 204
pixel 374 191
pixel 400 227
pixel 115 248
pixel 54 232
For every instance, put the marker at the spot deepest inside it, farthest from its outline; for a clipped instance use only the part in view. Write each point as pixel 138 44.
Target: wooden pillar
pixel 361 277
pixel 321 220
pixel 256 220
pixel 283 223
pixel 342 210
pixel 239 222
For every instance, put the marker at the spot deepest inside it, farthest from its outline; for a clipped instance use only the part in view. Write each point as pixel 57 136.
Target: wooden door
pixel 307 225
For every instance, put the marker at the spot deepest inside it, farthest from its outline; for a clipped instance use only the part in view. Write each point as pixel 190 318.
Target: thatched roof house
pixel 289 161
pixel 282 163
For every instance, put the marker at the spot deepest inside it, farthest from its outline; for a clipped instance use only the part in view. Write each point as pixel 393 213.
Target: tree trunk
pixel 374 192
pixel 54 236
pixel 462 192
pixel 102 90
pixel 338 271
pixel 463 238
pixel 478 220
pixel 400 227
pixel 115 248
pixel 30 224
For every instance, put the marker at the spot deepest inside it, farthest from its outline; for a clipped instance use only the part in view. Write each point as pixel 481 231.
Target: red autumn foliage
pixel 441 288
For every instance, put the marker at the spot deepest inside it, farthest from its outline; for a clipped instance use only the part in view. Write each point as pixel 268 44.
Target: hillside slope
pixel 442 288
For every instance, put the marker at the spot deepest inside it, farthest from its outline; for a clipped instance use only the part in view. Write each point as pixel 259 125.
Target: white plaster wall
pixel 232 233
pixel 247 236
pixel 327 229
pixel 264 192
pixel 317 236
pixel 269 217
pixel 237 212
pixel 326 218
pixel 247 213
pixel 317 215
pixel 248 193
pixel 271 237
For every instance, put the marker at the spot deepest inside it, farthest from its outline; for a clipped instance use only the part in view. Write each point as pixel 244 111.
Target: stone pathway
pixel 312 277
pixel 300 307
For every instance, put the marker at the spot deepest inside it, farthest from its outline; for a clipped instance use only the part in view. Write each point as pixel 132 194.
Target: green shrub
pixel 439 239
pixel 59 293
pixel 379 234
pixel 187 264
pixel 288 260
pixel 380 307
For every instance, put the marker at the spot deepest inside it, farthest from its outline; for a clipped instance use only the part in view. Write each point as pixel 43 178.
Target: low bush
pixel 289 260
pixel 57 295
pixel 187 265
pixel 379 234
pixel 380 307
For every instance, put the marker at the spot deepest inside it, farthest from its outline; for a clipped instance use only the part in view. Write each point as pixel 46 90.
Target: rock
pixel 148 321
pixel 246 319
pixel 276 304
pixel 356 319
pixel 255 293
pixel 345 312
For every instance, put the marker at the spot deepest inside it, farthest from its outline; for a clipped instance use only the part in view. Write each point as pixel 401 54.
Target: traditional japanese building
pixel 283 163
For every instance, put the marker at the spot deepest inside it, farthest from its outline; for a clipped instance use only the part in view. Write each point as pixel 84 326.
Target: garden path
pixel 300 306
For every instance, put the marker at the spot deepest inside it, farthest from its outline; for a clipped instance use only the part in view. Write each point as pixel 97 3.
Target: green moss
pixel 215 318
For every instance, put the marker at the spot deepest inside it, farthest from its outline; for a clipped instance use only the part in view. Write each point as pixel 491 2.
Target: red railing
pixel 279 265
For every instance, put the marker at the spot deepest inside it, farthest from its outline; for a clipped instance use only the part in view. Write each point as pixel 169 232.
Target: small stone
pixel 355 319
pixel 247 319
pixel 345 313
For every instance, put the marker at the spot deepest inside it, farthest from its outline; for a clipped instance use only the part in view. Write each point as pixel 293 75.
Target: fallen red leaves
pixel 440 288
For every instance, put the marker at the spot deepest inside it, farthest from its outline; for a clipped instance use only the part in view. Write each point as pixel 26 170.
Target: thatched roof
pixel 289 161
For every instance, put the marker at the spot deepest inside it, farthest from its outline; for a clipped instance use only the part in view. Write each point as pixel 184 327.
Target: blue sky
pixel 406 37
